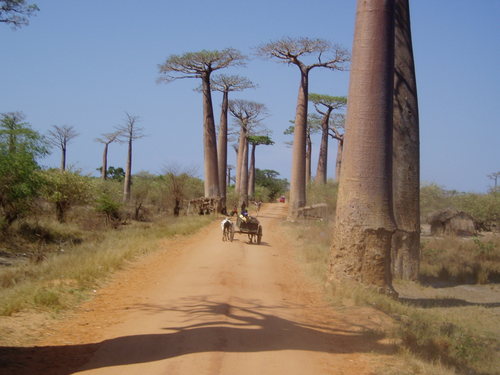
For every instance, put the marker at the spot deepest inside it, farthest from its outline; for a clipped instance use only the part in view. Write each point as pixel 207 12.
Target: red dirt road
pixel 203 306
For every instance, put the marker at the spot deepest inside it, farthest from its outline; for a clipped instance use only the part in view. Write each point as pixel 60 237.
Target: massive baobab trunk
pixel 63 158
pixel 406 155
pixel 222 148
pixel 209 141
pixel 364 221
pixel 298 174
pixel 244 175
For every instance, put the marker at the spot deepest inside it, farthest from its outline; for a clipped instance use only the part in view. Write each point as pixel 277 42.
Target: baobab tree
pixel 293 51
pixel 60 136
pixel 226 84
pixel 325 105
pixel 406 156
pixel 248 115
pixel 336 131
pixel 106 139
pixel 16 12
pixel 254 141
pixel 364 221
pixel 129 132
pixel 313 127
pixel 201 65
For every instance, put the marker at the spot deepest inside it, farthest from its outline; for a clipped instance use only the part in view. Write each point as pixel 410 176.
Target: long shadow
pixel 445 302
pixel 230 329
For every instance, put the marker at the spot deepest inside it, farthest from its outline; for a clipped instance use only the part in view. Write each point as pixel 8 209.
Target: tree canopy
pixel 16 12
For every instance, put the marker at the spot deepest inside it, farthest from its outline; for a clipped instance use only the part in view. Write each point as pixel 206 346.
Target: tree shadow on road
pixel 210 327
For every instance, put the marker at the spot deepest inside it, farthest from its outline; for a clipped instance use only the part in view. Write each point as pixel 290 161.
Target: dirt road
pixel 204 306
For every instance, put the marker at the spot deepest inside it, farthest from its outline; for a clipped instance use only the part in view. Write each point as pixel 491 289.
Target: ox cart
pixel 251 227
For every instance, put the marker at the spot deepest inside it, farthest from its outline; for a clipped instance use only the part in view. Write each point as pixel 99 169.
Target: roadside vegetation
pixel 436 335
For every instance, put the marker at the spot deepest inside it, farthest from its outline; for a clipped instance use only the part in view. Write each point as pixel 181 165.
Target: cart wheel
pixel 259 235
pixel 231 234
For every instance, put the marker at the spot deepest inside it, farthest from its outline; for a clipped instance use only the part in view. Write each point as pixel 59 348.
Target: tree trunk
pixel 63 159
pixel 321 171
pixel 244 175
pixel 209 141
pixel 251 173
pixel 298 173
pixel 104 170
pixel 239 158
pixel 406 155
pixel 308 158
pixel 222 149
pixel 338 161
pixel 127 183
pixel 364 221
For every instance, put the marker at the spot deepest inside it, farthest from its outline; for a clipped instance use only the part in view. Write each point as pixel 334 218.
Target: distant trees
pixel 268 178
pixel 226 84
pixel 248 115
pixel 129 132
pixel 254 141
pixel 60 136
pixel 292 51
pixel 106 139
pixel 201 65
pixel 16 12
pixel 325 105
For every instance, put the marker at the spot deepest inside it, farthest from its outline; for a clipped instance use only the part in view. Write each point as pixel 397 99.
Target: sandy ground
pixel 203 306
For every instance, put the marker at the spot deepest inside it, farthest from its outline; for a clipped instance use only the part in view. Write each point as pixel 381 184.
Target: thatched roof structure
pixel 451 222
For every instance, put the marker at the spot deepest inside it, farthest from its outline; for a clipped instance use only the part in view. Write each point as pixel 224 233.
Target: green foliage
pixel 107 205
pixel 66 189
pixel 268 179
pixel 19 184
pixel 117 174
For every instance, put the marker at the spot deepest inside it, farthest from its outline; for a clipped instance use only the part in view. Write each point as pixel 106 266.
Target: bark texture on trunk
pixel 222 148
pixel 251 172
pixel 364 221
pixel 298 173
pixel 406 154
pixel 127 183
pixel 321 170
pixel 104 171
pixel 209 141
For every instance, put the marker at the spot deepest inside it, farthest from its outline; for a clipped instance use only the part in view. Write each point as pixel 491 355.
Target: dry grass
pixel 474 260
pixel 433 339
pixel 65 277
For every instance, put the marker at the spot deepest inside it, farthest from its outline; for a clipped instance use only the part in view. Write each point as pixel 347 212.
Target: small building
pixel 451 222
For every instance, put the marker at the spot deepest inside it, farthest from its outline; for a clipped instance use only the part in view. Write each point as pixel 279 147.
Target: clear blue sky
pixel 84 63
